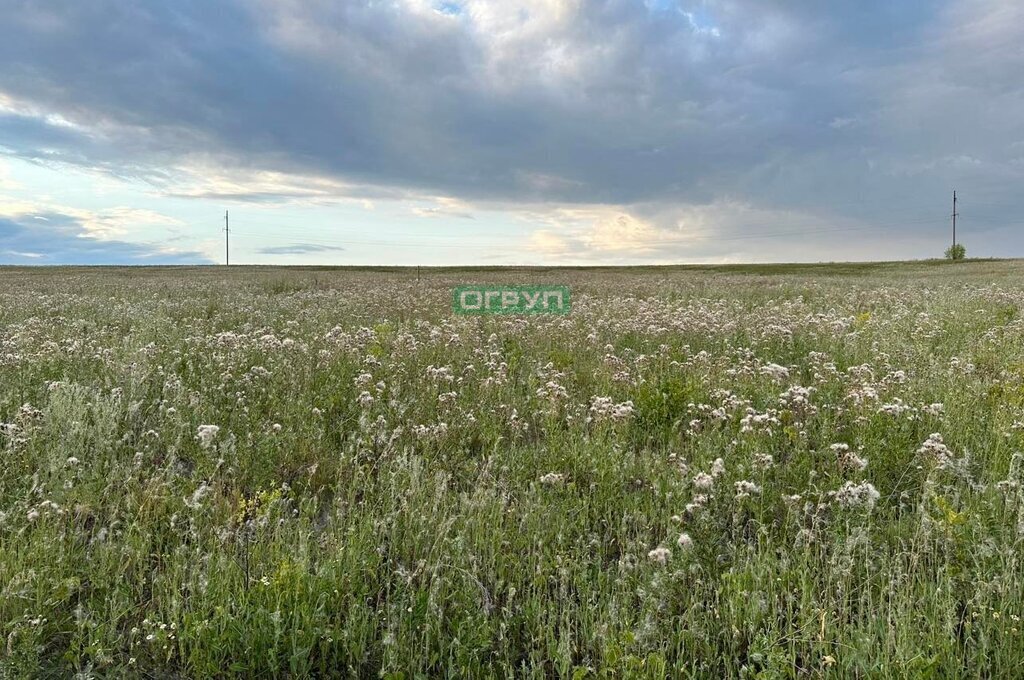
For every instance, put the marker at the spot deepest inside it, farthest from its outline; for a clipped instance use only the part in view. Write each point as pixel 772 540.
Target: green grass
pixel 399 492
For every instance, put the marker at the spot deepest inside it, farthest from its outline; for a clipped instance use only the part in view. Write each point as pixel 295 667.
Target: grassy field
pixel 700 472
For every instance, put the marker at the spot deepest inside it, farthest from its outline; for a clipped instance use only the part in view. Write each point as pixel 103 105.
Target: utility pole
pixel 227 249
pixel 954 217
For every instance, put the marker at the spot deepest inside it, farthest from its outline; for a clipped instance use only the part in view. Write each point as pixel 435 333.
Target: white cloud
pixel 443 206
pixel 7 181
pixel 106 224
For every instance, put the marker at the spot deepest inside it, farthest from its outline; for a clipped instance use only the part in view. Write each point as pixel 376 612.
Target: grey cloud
pixel 297 249
pixel 862 110
pixel 54 238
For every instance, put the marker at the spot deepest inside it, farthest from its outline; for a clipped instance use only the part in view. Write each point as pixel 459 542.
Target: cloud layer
pixel 299 249
pixel 55 238
pixel 619 128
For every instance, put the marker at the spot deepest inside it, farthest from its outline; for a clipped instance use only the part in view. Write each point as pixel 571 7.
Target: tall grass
pixel 393 491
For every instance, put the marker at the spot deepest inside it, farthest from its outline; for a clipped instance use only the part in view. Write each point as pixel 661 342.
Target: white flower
pixel 659 555
pixel 852 495
pixel 775 371
pixel 623 411
pixel 896 408
pixel 847 458
pixel 198 495
pixel 937 451
pixel 684 541
pixel 365 399
pixel 206 434
pixel 552 479
pixel 603 408
pixel 703 481
pixel 697 503
pixel 72 461
pixel 745 489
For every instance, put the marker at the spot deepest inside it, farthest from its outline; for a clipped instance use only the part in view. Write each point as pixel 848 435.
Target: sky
pixel 577 132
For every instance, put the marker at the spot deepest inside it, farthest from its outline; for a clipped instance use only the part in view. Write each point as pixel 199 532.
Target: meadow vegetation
pixel 753 472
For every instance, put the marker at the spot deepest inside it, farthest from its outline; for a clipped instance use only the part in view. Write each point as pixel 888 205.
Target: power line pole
pixel 227 249
pixel 954 217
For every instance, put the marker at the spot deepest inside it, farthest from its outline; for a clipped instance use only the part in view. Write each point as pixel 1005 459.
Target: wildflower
pixel 934 449
pixel 776 372
pixel 684 541
pixel 365 399
pixel 754 421
pixel 603 408
pixel 703 481
pixel 898 377
pixel 72 461
pixel 848 459
pixel 623 411
pixel 552 479
pixel 852 495
pixel 896 408
pixel 659 555
pixel 552 391
pixel 798 398
pixel 763 461
pixel 745 489
pixel 198 495
pixel 443 373
pixel 206 434
pixel 33 515
pixel 697 503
